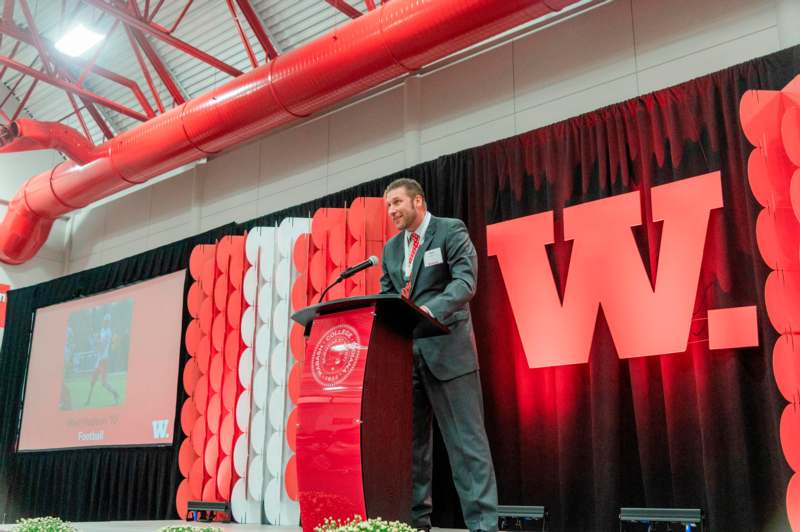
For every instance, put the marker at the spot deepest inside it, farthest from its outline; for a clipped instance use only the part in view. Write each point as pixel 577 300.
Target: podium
pixel 354 412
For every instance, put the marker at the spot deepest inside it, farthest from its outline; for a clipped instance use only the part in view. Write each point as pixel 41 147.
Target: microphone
pixel 349 272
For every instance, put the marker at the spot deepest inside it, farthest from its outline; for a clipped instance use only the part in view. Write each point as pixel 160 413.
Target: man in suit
pixel 433 263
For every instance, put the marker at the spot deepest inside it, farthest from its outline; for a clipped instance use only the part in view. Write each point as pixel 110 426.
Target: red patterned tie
pixel 414 246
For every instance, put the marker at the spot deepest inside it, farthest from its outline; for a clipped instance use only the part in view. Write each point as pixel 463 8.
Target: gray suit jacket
pixel 444 288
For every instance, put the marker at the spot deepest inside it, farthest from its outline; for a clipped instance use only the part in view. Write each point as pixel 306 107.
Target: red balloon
pixel 790 133
pixel 229 390
pixel 199 435
pixel 221 292
pixel 293 383
pixel 224 253
pixel 303 248
pixel 210 455
pixel 196 479
pixel 191 374
pixel 790 436
pixel 297 342
pixel 226 434
pixel 291 429
pixel 760 112
pixel 213 413
pixel 186 457
pixel 224 480
pixel 203 354
pixel 192 338
pixel 210 490
pixel 290 478
pixel 194 298
pixel 206 315
pixel 200 395
pixel 793 502
pixel 233 350
pixel 200 254
pixel 182 499
pixel 215 372
pixel 189 415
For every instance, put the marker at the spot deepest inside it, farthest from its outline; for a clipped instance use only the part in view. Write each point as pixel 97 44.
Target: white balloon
pixel 239 502
pixel 243 411
pixel 280 325
pixel 283 278
pixel 274 454
pixel 267 257
pixel 265 302
pixel 249 285
pixel 260 385
pixel 254 511
pixel 257 238
pixel 248 326
pixel 284 238
pixel 300 226
pixel 246 368
pixel 272 501
pixel 290 512
pixel 278 364
pixel 258 428
pixel 240 455
pixel 252 244
pixel 255 478
pixel 263 344
pixel 277 402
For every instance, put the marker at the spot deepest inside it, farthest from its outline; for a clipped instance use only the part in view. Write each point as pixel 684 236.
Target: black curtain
pixel 694 429
pixel 697 429
pixel 86 484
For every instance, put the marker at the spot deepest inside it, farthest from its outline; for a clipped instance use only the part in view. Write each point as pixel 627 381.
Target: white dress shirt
pixel 423 227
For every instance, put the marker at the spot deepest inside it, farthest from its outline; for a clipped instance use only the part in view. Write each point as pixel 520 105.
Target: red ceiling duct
pixel 399 37
pixel 25 135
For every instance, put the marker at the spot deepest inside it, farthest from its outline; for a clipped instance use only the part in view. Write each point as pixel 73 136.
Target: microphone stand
pixel 307 330
pixel 349 272
pixel 372 261
pixel 337 281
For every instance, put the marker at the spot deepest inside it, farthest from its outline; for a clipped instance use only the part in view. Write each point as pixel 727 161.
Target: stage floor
pixel 153 526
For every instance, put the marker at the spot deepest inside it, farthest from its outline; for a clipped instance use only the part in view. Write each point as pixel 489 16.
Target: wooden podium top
pixel 392 309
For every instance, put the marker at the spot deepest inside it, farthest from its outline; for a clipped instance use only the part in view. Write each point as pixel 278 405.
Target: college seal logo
pixel 335 355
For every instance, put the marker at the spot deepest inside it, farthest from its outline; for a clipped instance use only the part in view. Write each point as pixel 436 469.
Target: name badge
pixel 432 257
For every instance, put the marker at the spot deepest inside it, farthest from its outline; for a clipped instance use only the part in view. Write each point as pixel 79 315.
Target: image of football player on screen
pixel 102 352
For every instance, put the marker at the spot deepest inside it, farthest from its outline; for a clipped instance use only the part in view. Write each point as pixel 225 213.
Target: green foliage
pixel 356 524
pixel 54 524
pixel 43 524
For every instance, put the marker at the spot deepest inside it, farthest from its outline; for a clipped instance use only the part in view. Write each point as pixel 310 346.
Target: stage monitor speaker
pixel 522 518
pixel 657 519
pixel 208 511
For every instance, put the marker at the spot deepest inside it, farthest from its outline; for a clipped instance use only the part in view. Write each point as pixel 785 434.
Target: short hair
pixel 412 186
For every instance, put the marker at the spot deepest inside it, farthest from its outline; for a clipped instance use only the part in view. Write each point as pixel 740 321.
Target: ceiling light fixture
pixel 78 40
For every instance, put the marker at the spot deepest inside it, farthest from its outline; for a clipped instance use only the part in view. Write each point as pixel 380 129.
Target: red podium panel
pixel 354 412
pixel 329 469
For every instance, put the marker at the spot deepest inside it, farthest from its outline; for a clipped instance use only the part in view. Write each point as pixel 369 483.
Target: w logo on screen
pixel 160 429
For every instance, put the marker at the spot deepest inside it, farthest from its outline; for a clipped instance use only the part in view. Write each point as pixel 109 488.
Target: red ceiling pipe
pixel 399 37
pixel 24 135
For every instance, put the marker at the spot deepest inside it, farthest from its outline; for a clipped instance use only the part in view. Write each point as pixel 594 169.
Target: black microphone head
pixel 373 260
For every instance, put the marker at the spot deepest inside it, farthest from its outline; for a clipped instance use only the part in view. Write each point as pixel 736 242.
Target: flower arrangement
pixel 43 524
pixel 356 524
